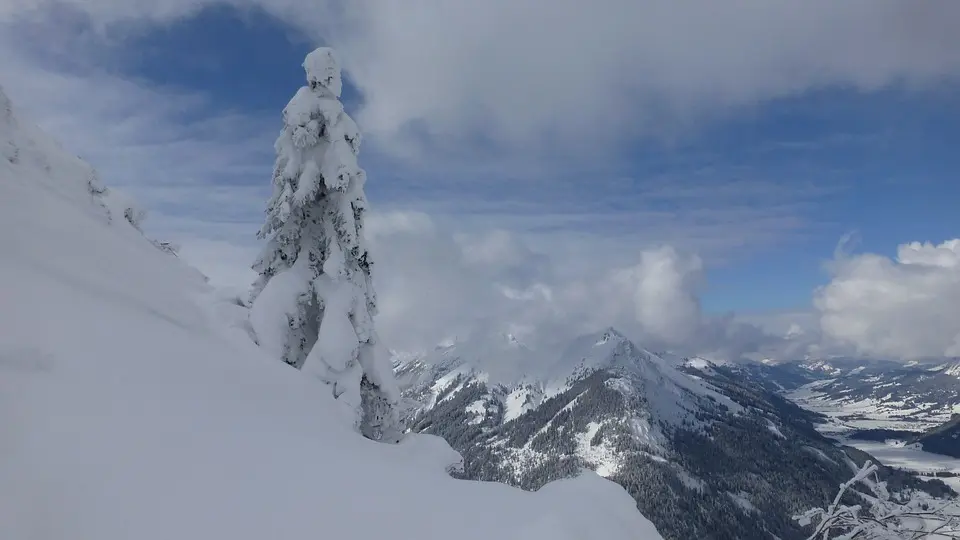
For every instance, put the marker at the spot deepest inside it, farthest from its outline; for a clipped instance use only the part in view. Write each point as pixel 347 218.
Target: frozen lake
pixel 907 457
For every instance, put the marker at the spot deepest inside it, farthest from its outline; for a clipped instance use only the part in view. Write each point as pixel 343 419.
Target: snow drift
pixel 130 409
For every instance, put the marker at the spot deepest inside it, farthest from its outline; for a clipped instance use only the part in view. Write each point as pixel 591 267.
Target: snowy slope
pixel 128 409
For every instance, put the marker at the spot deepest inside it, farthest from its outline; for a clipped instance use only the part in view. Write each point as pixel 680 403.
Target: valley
pixel 867 399
pixel 846 415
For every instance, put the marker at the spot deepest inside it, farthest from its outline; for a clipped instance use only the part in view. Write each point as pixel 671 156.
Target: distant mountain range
pixel 705 450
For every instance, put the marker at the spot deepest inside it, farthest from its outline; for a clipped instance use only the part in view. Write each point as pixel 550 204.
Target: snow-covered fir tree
pixel 315 268
pixel 8 150
pixel 114 203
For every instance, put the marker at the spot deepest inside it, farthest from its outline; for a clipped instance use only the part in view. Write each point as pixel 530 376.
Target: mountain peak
pixel 605 349
pixel 610 334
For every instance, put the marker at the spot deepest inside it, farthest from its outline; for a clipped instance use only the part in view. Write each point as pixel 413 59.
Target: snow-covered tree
pixel 880 515
pixel 8 149
pixel 115 203
pixel 315 268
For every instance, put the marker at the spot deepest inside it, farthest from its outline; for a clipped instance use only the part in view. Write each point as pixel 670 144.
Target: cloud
pixel 945 255
pixel 426 289
pixel 483 89
pixel 901 308
pixel 513 113
pixel 503 253
pixel 585 75
pixel 436 285
pixel 533 74
pixel 665 293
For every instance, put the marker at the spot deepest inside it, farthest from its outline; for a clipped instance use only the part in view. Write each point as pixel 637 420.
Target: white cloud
pixel 665 293
pixel 945 255
pixel 434 286
pixel 532 74
pixel 585 74
pixel 505 254
pixel 426 289
pixel 901 308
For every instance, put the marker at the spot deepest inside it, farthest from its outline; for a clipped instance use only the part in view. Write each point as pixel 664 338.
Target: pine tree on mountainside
pixel 314 233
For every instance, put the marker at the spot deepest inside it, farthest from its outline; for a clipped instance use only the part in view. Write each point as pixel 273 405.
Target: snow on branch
pixel 880 516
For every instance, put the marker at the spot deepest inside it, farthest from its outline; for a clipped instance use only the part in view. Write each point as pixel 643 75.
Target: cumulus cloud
pixel 945 255
pixel 426 289
pixel 901 308
pixel 435 286
pixel 665 293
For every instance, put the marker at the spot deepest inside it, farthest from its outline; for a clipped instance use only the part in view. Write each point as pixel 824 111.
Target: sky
pixel 706 177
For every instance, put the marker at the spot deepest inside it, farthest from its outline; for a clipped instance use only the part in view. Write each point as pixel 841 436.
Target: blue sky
pixel 756 167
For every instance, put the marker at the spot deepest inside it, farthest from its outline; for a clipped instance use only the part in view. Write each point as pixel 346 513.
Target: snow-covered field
pixel 133 404
pixel 868 415
pixel 847 416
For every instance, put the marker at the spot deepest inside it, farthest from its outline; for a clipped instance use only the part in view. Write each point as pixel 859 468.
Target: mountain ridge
pixel 708 444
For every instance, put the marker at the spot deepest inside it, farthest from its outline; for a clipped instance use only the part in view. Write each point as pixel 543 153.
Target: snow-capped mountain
pixel 526 379
pixel 131 408
pixel 705 453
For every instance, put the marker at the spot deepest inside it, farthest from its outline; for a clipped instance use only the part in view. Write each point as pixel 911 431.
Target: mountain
pixel 943 439
pixel 133 403
pixel 862 394
pixel 705 452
